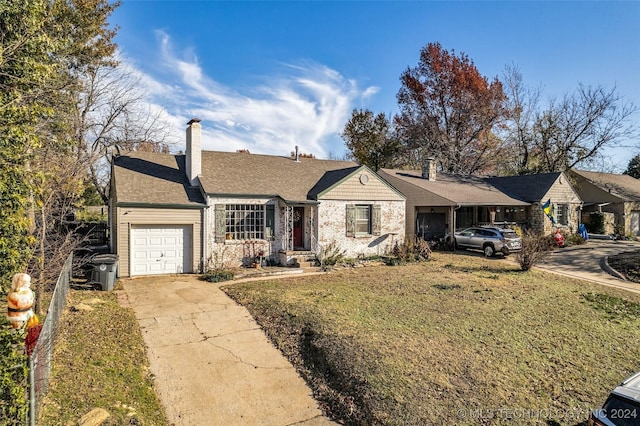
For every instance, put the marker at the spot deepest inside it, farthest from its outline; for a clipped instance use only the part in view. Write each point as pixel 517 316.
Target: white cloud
pixel 308 106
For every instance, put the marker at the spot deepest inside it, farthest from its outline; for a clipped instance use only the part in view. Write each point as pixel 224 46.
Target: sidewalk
pixel 212 363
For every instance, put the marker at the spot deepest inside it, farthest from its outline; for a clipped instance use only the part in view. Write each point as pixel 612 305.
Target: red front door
pixel 298 227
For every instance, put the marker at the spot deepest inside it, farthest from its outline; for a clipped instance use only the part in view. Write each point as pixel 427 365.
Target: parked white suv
pixel 622 407
pixel 489 239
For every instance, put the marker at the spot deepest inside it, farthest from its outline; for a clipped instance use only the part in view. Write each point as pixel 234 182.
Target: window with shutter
pixel 363 219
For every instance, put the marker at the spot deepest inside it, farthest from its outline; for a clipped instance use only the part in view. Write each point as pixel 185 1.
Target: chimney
pixel 429 169
pixel 297 157
pixel 194 154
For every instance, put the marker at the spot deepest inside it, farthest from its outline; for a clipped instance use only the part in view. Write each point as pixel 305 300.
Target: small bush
pixel 217 275
pixel 330 255
pixel 535 247
pixel 596 223
pixel 412 250
pixel 574 240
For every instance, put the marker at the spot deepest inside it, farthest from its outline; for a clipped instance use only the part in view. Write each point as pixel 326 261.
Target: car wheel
pixel 489 251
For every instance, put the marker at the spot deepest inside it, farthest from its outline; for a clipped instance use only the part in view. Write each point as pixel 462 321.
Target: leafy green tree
pixel 26 69
pixel 633 169
pixel 370 139
pixel 448 111
pixel 45 45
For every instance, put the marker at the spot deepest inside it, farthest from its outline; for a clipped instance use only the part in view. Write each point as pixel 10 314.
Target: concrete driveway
pixel 586 262
pixel 212 363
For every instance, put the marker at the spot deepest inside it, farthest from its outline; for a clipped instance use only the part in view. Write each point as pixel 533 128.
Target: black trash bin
pixel 104 270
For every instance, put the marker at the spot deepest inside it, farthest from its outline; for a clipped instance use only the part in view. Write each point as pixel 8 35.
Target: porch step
pixel 304 260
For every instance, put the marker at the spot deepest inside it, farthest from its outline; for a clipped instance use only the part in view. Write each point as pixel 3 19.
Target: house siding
pixel 236 253
pixel 352 189
pixel 332 229
pixel 127 216
pixel 324 223
pixel 561 192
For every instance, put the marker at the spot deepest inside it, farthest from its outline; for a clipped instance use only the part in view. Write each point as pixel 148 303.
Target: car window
pixel 621 411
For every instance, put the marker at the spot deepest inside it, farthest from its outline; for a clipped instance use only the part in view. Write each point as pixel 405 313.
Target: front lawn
pixel 100 362
pixel 459 339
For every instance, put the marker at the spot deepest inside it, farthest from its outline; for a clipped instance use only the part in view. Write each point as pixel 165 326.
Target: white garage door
pixel 161 249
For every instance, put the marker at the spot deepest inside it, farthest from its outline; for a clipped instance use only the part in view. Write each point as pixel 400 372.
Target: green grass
pixel 100 362
pixel 427 343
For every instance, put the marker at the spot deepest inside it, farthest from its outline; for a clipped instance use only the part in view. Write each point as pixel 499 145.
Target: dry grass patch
pixel 427 343
pixel 100 362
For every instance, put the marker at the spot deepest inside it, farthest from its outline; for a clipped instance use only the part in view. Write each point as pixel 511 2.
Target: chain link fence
pixel 40 359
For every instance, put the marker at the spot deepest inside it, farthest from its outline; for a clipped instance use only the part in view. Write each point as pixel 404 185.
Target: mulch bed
pixel 627 264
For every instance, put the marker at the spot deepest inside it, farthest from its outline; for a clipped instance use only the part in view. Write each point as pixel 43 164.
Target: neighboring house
pixel 618 196
pixel 436 201
pixel 181 213
pixel 537 190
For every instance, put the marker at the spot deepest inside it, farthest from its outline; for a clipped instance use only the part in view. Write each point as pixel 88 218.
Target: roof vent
pixel 297 156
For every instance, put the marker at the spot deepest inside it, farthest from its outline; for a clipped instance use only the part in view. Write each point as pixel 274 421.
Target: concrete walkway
pixel 213 365
pixel 588 262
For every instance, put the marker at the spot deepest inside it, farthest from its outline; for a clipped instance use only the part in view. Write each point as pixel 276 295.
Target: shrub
pixel 411 250
pixel 574 240
pixel 596 223
pixel 330 255
pixel 535 247
pixel 217 275
pixel 13 373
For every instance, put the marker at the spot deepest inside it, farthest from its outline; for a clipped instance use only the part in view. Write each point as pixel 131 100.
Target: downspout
pixel 204 231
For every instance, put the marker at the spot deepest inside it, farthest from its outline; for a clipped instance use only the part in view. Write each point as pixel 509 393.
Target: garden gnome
pixel 20 301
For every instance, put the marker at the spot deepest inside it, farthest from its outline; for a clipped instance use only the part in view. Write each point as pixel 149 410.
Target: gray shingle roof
pixel 528 188
pixel 153 178
pixel 232 173
pixel 622 186
pixel 460 190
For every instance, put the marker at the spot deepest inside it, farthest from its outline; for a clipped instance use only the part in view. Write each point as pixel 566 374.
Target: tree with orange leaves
pixel 448 111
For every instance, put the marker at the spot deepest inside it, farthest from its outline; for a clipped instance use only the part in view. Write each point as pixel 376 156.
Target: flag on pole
pixel 547 208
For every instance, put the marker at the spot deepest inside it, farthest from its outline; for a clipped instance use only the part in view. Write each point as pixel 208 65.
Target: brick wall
pixel 332 228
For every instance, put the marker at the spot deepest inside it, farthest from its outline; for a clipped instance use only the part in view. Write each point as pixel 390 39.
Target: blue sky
pixel 266 76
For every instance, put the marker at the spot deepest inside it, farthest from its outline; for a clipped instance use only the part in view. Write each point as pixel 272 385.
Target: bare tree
pixel 569 132
pixel 113 117
pixel 574 130
pixel 522 109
